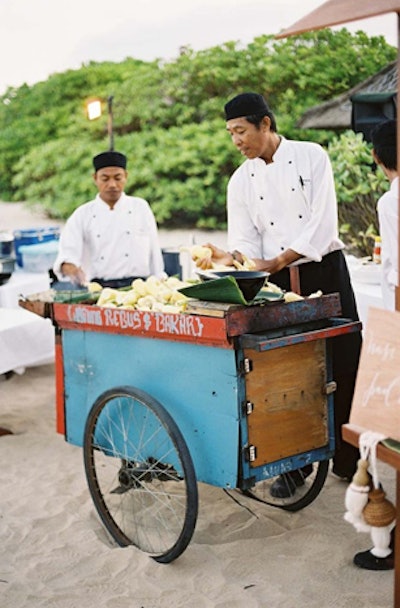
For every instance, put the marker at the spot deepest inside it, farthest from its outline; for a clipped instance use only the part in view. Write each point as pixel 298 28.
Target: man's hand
pixel 218 256
pixel 74 273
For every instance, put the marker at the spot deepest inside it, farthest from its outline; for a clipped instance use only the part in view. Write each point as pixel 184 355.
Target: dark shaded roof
pixel 336 113
pixel 334 12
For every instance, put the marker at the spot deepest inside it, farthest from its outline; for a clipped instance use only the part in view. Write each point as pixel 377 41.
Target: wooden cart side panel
pixel 59 375
pixel 287 387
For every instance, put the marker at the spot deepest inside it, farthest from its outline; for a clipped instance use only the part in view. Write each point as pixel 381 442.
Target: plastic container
pixel 40 257
pixel 33 236
pixel 376 254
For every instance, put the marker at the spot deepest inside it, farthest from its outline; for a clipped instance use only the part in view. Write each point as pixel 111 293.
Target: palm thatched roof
pixel 336 113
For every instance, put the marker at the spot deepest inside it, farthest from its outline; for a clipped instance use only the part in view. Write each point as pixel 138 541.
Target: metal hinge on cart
pixel 247 408
pixel 330 387
pixel 246 366
pixel 250 453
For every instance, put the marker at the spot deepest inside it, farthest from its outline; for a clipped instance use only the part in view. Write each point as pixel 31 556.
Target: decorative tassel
pixel 380 514
pixel 367 507
pixel 356 497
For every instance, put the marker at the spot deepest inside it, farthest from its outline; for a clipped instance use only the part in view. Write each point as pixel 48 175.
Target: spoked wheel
pixel 292 491
pixel 140 473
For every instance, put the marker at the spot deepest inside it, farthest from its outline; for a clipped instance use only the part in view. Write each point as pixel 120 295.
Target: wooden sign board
pixel 376 401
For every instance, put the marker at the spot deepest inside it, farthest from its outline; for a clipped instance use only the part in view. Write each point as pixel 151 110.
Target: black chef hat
pixel 109 159
pixel 246 104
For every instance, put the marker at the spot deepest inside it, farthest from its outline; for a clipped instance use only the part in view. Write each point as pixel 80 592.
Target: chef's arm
pixel 227 258
pixel 276 264
pixel 73 272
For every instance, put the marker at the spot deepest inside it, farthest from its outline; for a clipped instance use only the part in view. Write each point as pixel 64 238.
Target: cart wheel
pixel 140 473
pixel 303 487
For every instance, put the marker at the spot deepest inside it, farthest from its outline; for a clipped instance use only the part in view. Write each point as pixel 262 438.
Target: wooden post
pixel 397 289
pixel 397 544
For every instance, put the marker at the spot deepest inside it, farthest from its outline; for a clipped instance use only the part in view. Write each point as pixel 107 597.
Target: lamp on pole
pixel 110 122
pixel 94 111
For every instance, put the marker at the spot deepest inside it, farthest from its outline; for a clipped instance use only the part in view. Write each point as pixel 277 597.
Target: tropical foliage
pixel 168 119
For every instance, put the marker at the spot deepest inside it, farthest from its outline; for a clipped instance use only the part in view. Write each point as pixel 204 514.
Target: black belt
pixel 116 283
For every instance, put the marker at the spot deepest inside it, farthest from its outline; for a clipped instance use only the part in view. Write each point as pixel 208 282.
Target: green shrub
pixel 359 184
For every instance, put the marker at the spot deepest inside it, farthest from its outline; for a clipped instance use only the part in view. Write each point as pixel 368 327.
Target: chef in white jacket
pixel 282 214
pixel 113 238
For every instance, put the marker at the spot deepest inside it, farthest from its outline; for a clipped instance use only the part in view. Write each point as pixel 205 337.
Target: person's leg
pixel 333 277
pixel 286 484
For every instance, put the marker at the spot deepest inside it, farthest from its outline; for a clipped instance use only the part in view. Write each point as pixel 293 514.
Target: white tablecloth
pixel 366 281
pixel 22 283
pixel 26 340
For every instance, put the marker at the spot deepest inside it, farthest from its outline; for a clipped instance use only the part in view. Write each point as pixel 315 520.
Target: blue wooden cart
pixel 233 396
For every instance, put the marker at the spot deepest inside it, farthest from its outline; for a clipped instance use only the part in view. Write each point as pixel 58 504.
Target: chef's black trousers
pixel 331 275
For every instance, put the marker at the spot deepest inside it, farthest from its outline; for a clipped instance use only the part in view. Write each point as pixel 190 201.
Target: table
pixel 25 340
pixel 366 281
pixel 22 283
pixel 351 434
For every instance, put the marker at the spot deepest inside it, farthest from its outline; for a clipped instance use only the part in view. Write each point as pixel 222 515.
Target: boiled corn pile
pixel 158 295
pixel 199 252
pixel 290 296
pixel 162 295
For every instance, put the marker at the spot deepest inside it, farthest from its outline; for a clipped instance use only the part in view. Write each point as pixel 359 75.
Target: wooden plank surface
pixel 211 309
pixel 282 314
pixel 176 327
pixel 287 389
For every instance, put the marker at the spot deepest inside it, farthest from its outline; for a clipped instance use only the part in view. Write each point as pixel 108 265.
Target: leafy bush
pixel 359 184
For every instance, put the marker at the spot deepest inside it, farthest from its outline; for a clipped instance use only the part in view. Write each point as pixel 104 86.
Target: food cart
pixel 223 394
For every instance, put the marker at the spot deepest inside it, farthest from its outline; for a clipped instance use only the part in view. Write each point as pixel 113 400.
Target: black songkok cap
pixel 109 159
pixel 246 104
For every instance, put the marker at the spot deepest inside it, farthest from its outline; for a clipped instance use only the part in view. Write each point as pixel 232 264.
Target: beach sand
pixel 55 553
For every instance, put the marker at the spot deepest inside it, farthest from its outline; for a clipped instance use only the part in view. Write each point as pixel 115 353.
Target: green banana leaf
pixel 75 297
pixel 224 289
